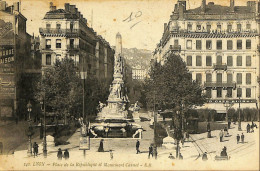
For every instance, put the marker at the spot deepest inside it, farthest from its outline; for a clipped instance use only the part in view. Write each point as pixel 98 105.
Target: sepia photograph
pixel 129 84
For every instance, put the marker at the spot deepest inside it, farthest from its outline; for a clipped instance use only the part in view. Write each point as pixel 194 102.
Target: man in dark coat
pixel 59 155
pixel 66 154
pixel 137 147
pixel 242 138
pixel 208 126
pixel 204 156
pixel 224 152
pixel 238 138
pixel 248 128
pixel 150 151
pixel 101 146
pixel 35 149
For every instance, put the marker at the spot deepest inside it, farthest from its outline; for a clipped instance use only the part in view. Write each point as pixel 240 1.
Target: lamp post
pixel 29 108
pixel 227 104
pixel 239 113
pixel 177 131
pixel 44 129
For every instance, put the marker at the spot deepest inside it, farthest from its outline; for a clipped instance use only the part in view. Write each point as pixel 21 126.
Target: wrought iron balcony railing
pixel 223 85
pixel 73 47
pixel 175 47
pixel 57 31
pixel 220 67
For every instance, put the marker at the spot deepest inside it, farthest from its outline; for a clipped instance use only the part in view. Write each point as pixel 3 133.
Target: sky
pixel 144 30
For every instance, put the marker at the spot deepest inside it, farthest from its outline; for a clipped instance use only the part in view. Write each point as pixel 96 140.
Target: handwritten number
pixel 130 18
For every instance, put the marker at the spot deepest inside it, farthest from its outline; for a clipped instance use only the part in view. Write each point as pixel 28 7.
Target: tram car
pixel 192 125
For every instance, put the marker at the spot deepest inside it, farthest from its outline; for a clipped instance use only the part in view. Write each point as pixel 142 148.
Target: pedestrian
pixel 155 152
pixel 221 135
pixel 150 151
pixel 224 152
pixel 101 147
pixel 137 147
pixel 111 155
pixel 209 134
pixel 59 155
pixel 248 128
pixel 238 138
pixel 208 126
pixel 66 154
pixel 35 149
pixel 225 131
pixel 180 157
pixel 204 156
pixel 171 156
pixel 242 138
pixel 1 147
pixel 252 128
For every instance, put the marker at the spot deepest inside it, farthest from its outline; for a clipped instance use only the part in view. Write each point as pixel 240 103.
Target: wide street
pixel 125 157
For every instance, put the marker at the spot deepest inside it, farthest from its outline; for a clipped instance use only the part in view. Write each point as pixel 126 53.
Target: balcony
pixel 54 31
pixel 175 47
pixel 72 47
pixel 220 67
pixel 223 85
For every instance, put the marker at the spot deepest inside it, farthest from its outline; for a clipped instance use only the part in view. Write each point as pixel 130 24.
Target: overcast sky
pixel 144 30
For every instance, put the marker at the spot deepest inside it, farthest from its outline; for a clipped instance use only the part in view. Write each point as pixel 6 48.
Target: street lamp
pixel 239 113
pixel 29 133
pixel 44 129
pixel 177 130
pixel 227 104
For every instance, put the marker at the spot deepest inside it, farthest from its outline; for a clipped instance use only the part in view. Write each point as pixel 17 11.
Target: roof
pixel 60 14
pixel 218 9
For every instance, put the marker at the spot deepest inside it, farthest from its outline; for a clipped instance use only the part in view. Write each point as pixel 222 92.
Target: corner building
pixel 220 45
pixel 65 32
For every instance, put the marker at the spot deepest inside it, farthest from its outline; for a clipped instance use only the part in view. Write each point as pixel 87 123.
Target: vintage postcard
pixel 129 84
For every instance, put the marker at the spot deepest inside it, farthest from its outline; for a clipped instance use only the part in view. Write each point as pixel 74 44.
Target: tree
pixel 171 85
pixel 62 87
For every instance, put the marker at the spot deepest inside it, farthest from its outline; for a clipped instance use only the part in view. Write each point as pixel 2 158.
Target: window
pixel 248 60
pixel 219 60
pixel 248 78
pixel 248 26
pixel 198 78
pixel 189 44
pixel 208 77
pixel 239 60
pixel 248 92
pixel 239 27
pixel 58 26
pixel 71 25
pixel 239 44
pixel 239 92
pixel 208 92
pixel 219 77
pixel 239 78
pixel 219 44
pixel 48 43
pixel 198 27
pixel 229 92
pixel 229 45
pixel 198 61
pixel 176 42
pixel 189 60
pixel 71 43
pixel 208 61
pixel 219 92
pixel 209 44
pixel 48 59
pixel 48 26
pixel 208 27
pixel 189 27
pixel 229 61
pixel 58 43
pixel 229 28
pixel 229 78
pixel 198 44
pixel 219 27
pixel 248 44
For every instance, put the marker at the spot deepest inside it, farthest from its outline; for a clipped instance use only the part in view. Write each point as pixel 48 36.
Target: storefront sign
pixel 84 143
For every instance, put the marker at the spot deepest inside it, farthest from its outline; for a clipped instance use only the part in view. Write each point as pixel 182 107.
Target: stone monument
pixel 117 98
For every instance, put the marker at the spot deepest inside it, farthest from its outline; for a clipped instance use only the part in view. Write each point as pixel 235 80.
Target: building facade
pixel 64 32
pixel 15 52
pixel 138 73
pixel 220 45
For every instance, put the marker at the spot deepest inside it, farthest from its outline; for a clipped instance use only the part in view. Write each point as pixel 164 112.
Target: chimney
pixel 203 6
pixel 16 6
pixel 2 5
pixel 67 7
pixel 72 9
pixel 182 7
pixel 252 5
pixel 176 8
pixel 232 5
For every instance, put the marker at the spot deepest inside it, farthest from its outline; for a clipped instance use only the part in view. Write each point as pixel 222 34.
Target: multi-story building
pixel 139 73
pixel 65 32
pixel 15 49
pixel 220 45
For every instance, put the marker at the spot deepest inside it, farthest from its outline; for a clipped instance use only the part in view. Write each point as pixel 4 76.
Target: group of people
pixel 250 128
pixel 66 154
pixel 242 138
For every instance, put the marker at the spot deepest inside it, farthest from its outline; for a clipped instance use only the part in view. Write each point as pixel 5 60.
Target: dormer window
pixel 198 27
pixel 58 26
pixel 48 26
